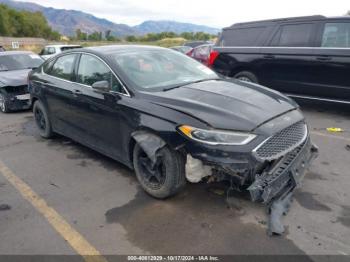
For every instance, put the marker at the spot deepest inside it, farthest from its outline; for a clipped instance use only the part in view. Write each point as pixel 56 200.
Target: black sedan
pixel 14 69
pixel 171 118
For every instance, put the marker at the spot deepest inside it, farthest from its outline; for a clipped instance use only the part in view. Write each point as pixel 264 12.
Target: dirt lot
pixel 101 201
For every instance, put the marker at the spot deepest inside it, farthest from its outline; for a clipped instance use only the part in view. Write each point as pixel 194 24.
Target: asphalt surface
pixel 101 199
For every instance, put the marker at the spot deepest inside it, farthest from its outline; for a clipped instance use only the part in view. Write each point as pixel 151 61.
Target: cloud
pixel 217 13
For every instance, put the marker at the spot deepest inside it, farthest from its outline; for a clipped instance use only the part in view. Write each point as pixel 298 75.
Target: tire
pixel 247 77
pixel 42 120
pixel 170 166
pixel 3 106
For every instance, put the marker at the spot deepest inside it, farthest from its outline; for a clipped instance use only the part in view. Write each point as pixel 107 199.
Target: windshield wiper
pixel 190 83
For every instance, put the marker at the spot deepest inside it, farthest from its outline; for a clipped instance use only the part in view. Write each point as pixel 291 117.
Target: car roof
pixel 6 53
pixel 110 49
pixel 61 45
pixel 279 20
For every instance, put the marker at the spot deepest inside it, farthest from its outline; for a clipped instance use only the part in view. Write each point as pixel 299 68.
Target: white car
pixel 52 50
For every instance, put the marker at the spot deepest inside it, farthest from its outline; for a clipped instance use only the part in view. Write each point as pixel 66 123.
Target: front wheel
pixel 165 177
pixel 42 120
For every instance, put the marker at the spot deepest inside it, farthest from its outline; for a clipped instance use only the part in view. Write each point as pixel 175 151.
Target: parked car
pixel 202 53
pixel 304 57
pixel 52 50
pixel 182 49
pixel 170 118
pixel 2 49
pixel 14 69
pixel 194 44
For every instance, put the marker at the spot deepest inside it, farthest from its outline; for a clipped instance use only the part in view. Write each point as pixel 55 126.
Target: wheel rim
pixel 153 175
pixel 40 119
pixel 2 103
pixel 245 79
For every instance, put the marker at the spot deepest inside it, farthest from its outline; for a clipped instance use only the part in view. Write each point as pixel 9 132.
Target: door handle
pixel 269 56
pixel 324 58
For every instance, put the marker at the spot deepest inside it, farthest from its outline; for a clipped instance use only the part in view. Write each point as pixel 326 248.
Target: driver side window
pixel 92 70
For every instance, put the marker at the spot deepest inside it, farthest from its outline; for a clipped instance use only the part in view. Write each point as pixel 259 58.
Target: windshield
pixel 162 69
pixel 19 61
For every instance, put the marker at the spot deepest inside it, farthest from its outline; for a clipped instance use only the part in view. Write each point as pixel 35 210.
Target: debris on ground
pixel 347 147
pixel 335 129
pixel 217 191
pixel 278 208
pixel 4 207
pixel 53 184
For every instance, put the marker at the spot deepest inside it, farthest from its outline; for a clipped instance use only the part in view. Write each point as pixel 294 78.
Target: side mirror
pixel 101 86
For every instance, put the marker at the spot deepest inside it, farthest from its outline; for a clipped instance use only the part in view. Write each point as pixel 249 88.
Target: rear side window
pixel 241 36
pixel 293 35
pixel 336 35
pixel 63 67
pixel 47 66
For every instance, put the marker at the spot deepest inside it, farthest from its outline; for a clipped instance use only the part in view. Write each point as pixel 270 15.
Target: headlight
pixel 216 137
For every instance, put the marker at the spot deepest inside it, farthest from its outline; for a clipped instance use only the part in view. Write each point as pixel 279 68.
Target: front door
pixel 97 112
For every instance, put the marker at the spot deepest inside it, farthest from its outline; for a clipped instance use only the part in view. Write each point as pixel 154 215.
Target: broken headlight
pixel 216 137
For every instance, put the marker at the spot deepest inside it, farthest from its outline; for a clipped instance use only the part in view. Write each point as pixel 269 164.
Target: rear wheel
pixel 42 120
pixel 246 76
pixel 165 177
pixel 3 106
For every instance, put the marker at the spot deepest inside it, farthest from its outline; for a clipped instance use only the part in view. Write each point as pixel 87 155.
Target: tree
pixel 131 38
pixel 95 36
pixel 24 24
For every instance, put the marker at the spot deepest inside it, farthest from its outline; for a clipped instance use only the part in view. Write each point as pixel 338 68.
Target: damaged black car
pixel 14 69
pixel 174 120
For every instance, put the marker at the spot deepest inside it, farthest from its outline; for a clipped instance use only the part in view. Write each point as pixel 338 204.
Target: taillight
pixel 213 55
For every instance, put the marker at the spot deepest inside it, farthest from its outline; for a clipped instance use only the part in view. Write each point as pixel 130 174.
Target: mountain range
pixel 68 21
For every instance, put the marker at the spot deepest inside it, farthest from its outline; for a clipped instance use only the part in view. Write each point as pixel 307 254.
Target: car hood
pixel 225 104
pixel 14 78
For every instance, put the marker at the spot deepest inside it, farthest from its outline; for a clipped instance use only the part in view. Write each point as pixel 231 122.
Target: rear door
pixel 59 93
pixel 332 61
pixel 288 63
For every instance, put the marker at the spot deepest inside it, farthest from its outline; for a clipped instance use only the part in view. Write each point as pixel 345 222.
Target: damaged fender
pixel 149 142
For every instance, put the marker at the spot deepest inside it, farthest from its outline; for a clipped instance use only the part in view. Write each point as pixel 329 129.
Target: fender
pixel 149 142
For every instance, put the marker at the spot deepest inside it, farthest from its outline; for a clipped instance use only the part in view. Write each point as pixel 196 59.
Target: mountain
pixel 67 21
pixel 172 26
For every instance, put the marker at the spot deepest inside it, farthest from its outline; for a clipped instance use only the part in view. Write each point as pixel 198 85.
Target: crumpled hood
pixel 225 104
pixel 14 78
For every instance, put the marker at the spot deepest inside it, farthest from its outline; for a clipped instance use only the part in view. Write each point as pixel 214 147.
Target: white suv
pixel 52 50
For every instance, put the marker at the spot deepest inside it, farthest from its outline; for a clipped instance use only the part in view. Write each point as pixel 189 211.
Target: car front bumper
pixel 285 176
pixel 18 102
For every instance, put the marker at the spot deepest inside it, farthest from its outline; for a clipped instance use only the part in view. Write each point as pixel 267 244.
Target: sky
pixel 214 13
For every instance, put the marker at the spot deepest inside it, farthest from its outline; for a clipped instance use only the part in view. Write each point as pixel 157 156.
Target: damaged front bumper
pixel 18 102
pixel 285 175
pixel 275 187
pixel 271 182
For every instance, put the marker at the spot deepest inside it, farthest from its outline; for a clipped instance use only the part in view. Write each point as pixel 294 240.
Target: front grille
pixel 283 142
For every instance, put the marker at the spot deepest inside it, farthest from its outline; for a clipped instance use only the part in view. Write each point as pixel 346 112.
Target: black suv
pixel 306 57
